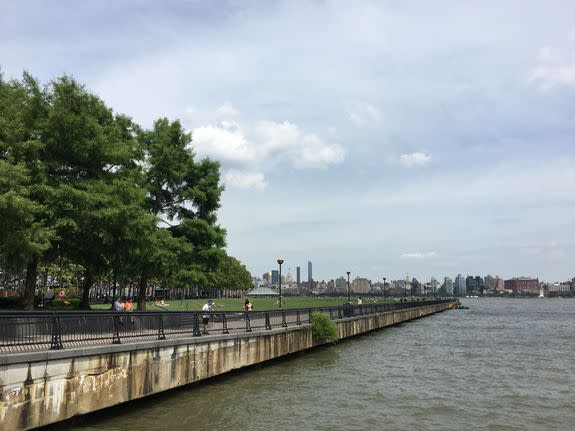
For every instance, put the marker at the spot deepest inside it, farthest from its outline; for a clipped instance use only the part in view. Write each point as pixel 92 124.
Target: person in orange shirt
pixel 128 308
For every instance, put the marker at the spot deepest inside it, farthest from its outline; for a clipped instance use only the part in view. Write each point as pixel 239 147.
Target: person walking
pixel 118 306
pixel 128 308
pixel 206 316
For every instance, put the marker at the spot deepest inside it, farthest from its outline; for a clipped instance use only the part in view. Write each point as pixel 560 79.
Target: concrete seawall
pixel 40 388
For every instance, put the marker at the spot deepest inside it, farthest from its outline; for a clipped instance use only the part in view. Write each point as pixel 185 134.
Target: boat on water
pixel 459 306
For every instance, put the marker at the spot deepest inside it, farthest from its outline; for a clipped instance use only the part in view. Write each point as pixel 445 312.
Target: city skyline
pixel 383 138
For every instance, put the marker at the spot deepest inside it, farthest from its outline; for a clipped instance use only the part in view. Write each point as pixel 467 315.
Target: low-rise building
pixel 361 285
pixel 522 285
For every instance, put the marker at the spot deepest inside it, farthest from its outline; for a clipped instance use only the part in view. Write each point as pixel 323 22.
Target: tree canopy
pixel 83 185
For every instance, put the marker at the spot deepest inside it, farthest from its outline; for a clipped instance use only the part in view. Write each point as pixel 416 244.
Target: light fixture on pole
pixel 280 261
pixel 384 288
pixel 348 291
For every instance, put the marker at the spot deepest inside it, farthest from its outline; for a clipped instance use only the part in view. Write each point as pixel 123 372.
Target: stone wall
pixel 45 387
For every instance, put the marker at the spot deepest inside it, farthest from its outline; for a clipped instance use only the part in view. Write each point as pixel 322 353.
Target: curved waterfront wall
pixel 40 388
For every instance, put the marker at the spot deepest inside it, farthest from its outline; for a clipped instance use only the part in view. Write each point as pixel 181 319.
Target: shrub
pixel 11 303
pixel 323 329
pixel 66 303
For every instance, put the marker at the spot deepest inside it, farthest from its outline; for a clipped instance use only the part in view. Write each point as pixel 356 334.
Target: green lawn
pixel 259 304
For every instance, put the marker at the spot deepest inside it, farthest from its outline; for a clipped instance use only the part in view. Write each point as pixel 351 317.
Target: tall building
pixel 460 285
pixel 448 285
pixel 266 277
pixel 298 275
pixel 490 283
pixel 340 285
pixel 434 284
pixel 309 272
pixel 275 276
pixel 475 285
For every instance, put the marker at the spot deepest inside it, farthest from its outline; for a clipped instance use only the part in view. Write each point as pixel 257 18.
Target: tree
pixel 184 195
pixel 82 185
pixel 92 157
pixel 230 274
pixel 26 232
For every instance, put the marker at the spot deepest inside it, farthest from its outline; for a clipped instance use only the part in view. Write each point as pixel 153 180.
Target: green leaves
pixel 82 185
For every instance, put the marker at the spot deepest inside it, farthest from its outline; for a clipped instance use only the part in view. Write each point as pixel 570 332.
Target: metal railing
pixel 33 331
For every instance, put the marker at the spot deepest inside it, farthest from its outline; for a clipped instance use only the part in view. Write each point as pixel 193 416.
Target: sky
pixel 387 138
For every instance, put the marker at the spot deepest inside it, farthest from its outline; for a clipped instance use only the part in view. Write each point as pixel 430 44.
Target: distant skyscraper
pixel 340 285
pixel 448 284
pixel 460 285
pixel 275 276
pixel 298 275
pixel 309 272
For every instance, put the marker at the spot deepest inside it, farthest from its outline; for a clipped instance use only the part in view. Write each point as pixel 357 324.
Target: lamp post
pixel 348 291
pixel 280 261
pixel 384 289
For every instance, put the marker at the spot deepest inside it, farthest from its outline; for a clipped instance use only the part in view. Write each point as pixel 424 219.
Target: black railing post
pixel 116 334
pixel 339 312
pixel 268 323
pixel 284 323
pixel 224 324
pixel 161 334
pixel 248 323
pixel 197 332
pixel 56 343
pixel 298 320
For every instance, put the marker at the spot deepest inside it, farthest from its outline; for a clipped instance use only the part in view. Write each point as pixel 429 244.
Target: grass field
pixel 237 304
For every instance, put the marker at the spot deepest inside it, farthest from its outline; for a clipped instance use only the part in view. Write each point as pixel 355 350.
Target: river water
pixel 504 364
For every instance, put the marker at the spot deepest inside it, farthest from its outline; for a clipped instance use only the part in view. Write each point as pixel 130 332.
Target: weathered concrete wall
pixel 46 387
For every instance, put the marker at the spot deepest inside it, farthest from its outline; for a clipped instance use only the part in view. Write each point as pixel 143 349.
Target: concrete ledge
pixel 73 352
pixel 40 388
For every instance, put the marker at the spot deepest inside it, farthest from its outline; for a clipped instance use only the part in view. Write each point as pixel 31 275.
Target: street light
pixel 384 289
pixel 280 261
pixel 348 292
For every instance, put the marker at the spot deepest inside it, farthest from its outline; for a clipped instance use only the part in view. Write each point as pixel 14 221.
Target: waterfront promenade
pixel 46 386
pixel 37 331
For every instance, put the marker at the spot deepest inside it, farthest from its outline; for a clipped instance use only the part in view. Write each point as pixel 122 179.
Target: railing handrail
pixel 91 312
pixel 34 330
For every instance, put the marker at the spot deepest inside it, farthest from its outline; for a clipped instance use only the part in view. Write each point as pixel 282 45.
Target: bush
pixel 66 303
pixel 11 303
pixel 323 329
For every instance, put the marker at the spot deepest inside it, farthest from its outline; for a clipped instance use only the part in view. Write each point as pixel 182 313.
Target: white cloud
pixel 226 143
pixel 257 144
pixel 554 68
pixel 414 159
pixel 364 115
pixel 245 180
pixel 275 137
pixel 227 110
pixel 317 154
pixel 549 76
pixel 419 255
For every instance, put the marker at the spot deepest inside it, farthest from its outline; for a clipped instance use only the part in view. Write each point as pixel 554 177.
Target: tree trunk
pixel 142 288
pixel 30 286
pixel 88 279
pixel 114 291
